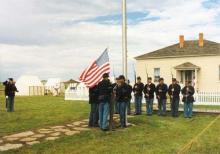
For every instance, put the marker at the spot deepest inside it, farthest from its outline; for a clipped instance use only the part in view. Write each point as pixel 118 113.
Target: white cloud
pixel 41 37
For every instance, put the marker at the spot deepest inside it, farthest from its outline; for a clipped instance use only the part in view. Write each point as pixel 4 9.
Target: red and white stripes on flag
pixel 92 75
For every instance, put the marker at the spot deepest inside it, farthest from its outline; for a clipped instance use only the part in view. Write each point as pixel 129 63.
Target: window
pixel 156 74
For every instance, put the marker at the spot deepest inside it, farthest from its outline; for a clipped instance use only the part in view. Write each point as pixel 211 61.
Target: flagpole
pixel 124 43
pixel 124 38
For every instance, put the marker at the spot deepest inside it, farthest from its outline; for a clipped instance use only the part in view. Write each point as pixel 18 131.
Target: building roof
pixel 71 81
pixel 187 66
pixel 28 80
pixel 190 49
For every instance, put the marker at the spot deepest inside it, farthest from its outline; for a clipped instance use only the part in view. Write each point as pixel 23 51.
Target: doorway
pixel 187 75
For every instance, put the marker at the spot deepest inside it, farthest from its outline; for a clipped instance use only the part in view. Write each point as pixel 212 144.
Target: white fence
pixel 201 98
pixel 74 95
pixel 207 98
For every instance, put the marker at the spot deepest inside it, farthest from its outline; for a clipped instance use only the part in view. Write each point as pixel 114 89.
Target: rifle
pixel 148 92
pixel 172 84
pixel 112 101
pixel 146 71
pixel 135 77
pixel 111 112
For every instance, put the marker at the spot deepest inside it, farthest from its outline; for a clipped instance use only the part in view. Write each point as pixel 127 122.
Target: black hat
pixel 149 78
pixel 105 75
pixel 10 79
pixel 138 78
pixel 121 77
pixel 161 79
pixel 174 79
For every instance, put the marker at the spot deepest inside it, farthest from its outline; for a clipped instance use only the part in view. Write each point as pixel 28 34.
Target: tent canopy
pixel 25 82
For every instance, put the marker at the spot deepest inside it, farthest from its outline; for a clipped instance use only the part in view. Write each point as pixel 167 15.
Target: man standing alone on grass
pixel 188 99
pixel 149 90
pixel 138 94
pixel 104 96
pixel 10 94
pixel 174 93
pixel 93 101
pixel 6 99
pixel 122 97
pixel 161 92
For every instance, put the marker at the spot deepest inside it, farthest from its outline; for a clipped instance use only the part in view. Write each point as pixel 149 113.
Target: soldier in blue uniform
pixel 122 97
pixel 138 95
pixel 161 92
pixel 10 90
pixel 104 96
pixel 93 101
pixel 149 90
pixel 6 99
pixel 174 93
pixel 188 99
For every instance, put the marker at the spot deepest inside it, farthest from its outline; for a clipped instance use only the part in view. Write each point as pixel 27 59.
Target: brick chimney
pixel 181 39
pixel 201 40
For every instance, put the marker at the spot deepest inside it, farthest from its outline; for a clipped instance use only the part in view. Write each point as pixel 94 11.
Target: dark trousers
pixel 149 106
pixel 122 112
pixel 103 115
pixel 188 109
pixel 10 104
pixel 162 107
pixel 129 107
pixel 94 115
pixel 116 107
pixel 6 103
pixel 174 106
pixel 138 104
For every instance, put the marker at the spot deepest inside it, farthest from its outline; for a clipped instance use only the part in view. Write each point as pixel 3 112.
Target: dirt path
pixel 32 137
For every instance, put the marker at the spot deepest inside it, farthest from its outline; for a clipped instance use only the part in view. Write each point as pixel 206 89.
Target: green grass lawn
pixel 150 135
pixel 37 112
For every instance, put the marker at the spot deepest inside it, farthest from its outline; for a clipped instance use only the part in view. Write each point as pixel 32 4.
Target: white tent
pixel 29 85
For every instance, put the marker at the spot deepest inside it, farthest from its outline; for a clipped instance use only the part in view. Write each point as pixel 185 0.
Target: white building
pixel 77 91
pixel 53 85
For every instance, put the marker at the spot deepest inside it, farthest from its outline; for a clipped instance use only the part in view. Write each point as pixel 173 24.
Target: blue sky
pixel 133 18
pixel 56 38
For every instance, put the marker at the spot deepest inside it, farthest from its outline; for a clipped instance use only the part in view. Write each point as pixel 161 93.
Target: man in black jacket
pixel 104 95
pixel 138 95
pixel 149 90
pixel 174 93
pixel 188 99
pixel 10 94
pixel 122 97
pixel 93 101
pixel 6 99
pixel 161 92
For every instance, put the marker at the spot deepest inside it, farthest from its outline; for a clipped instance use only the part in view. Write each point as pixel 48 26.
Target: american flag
pixel 93 74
